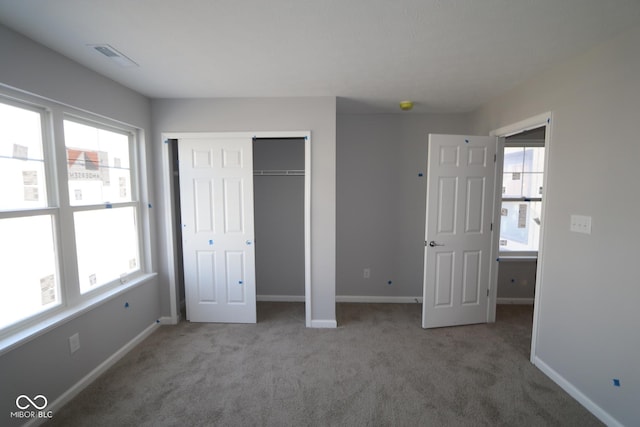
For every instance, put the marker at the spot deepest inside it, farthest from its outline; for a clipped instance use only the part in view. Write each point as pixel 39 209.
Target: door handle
pixel 434 243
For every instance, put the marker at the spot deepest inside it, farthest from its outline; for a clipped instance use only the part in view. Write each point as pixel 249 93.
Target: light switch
pixel 581 224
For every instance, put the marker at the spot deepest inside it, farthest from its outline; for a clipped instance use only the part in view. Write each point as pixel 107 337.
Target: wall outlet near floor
pixel 366 273
pixel 74 343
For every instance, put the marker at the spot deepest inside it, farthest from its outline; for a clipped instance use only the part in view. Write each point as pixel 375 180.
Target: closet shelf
pixel 288 172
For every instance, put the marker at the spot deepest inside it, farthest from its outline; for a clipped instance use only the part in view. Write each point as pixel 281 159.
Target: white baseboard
pixel 324 324
pixel 281 298
pixel 589 404
pixel 346 298
pixel 521 301
pixel 91 376
pixel 168 320
pixel 378 299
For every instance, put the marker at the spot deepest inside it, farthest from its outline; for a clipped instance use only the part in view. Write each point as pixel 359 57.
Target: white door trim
pixel 170 232
pixel 544 119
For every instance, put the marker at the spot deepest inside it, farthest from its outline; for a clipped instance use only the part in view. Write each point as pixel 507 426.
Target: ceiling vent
pixel 113 55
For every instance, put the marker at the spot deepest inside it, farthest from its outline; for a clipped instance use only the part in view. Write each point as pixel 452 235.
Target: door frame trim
pixel 170 231
pixel 546 120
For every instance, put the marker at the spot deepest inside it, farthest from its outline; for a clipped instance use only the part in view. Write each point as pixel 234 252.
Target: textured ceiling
pixel 446 55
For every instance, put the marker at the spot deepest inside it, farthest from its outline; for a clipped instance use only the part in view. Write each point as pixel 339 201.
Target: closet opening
pixel 279 201
pixel 281 193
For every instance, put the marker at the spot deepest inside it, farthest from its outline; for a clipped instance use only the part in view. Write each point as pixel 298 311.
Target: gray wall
pixel 44 365
pixel 589 317
pixel 382 200
pixel 516 279
pixel 31 67
pixel 268 114
pixel 279 218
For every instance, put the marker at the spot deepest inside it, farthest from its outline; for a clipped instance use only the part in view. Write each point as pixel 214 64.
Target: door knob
pixel 434 243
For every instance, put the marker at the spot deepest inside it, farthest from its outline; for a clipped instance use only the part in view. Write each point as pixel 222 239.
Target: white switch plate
pixel 366 273
pixel 581 224
pixel 74 343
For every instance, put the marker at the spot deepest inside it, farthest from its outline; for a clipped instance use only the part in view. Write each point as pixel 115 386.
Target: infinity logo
pixel 20 399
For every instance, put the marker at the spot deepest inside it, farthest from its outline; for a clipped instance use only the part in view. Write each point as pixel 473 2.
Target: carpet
pixel 378 368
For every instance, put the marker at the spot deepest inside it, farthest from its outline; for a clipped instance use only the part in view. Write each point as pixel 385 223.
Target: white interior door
pixel 216 198
pixel 460 198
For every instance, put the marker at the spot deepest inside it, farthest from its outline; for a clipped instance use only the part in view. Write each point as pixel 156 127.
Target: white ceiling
pixel 446 55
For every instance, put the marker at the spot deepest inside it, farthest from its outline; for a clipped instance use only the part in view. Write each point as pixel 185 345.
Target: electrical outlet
pixel 366 273
pixel 74 343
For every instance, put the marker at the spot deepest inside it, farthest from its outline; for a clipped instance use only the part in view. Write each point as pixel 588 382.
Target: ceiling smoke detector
pixel 111 53
pixel 406 105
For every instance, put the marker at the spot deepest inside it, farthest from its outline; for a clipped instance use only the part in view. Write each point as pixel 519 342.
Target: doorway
pixel 520 221
pixel 523 157
pixel 521 189
pixel 174 255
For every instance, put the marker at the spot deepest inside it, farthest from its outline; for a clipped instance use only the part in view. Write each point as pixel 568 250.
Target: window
pixel 29 280
pixel 521 212
pixel 103 206
pixel 65 238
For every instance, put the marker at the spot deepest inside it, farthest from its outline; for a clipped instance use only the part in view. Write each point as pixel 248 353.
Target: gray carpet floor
pixel 378 368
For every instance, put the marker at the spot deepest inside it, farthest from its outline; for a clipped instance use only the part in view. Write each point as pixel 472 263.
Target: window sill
pixel 31 332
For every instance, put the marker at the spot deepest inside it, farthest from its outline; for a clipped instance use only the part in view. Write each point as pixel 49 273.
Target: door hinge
pixel 487 291
pixel 491 227
pixel 495 158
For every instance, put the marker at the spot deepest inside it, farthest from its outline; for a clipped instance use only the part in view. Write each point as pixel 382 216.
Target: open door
pixel 460 203
pixel 216 200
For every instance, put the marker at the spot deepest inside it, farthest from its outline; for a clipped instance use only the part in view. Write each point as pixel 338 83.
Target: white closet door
pixel 216 191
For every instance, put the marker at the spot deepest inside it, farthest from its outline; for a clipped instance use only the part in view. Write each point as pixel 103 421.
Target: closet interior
pixel 278 185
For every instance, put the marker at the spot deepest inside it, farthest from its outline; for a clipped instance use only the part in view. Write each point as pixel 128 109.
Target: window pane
pixel 523 172
pixel 28 280
pixel 532 185
pixel 512 184
pixel 107 245
pixel 533 172
pixel 513 159
pixel 533 159
pixel 512 172
pixel 520 226
pixel 98 165
pixel 21 159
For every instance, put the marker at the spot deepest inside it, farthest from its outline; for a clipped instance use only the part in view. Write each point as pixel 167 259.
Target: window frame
pixel 519 143
pixel 133 203
pixel 71 301
pixel 51 208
